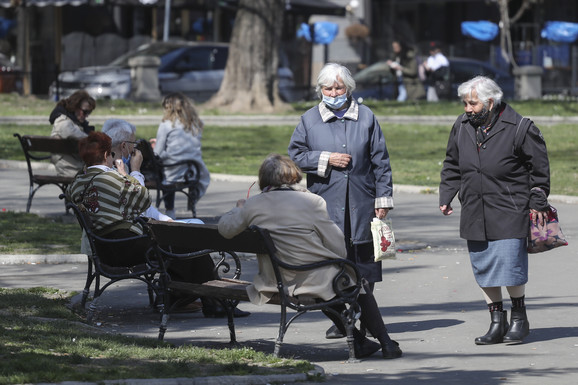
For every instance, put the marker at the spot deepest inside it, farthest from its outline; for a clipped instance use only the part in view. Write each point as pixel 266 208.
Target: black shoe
pixel 364 347
pixel 498 328
pixel 519 326
pixel 391 350
pixel 220 312
pixel 333 333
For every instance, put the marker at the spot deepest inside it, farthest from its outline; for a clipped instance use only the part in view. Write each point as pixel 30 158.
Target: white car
pixel 193 68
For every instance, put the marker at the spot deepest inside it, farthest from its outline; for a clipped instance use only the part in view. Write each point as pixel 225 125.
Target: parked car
pixel 377 82
pixel 194 68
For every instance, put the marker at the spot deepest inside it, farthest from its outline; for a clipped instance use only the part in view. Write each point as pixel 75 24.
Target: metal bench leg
pixel 282 330
pixel 30 196
pixel 230 307
pixel 164 324
pixel 92 310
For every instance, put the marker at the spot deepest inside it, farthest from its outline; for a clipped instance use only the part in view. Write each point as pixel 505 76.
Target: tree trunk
pixel 250 83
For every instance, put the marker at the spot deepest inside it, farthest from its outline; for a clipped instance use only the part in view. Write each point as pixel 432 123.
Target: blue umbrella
pixel 480 30
pixel 560 31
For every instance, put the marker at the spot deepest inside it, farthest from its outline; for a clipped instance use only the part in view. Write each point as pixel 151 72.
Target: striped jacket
pixel 112 200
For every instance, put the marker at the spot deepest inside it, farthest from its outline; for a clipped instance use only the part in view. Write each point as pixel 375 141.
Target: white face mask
pixel 335 103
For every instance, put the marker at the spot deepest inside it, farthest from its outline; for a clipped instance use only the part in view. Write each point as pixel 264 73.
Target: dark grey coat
pixel 494 183
pixel 367 177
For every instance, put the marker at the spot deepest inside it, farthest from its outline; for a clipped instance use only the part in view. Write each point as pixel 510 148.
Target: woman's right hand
pixel 446 209
pixel 338 159
pixel 119 164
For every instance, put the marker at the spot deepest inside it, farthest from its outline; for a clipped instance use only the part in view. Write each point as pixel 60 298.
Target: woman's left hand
pixel 538 217
pixel 381 213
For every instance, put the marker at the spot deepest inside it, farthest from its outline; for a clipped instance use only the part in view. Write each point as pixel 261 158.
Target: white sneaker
pixel 171 213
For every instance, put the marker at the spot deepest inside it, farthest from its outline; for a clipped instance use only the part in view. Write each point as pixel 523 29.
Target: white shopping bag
pixel 383 239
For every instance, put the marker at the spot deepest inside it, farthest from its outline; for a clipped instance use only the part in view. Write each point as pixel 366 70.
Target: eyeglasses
pixel 128 141
pixel 86 112
pixel 249 191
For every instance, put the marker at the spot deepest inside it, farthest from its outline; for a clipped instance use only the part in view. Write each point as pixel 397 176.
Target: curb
pixel 316 373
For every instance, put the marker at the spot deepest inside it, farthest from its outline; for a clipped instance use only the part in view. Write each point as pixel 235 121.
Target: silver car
pixel 193 68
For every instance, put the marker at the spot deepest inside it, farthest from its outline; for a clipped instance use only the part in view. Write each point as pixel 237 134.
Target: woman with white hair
pixel 340 146
pixel 499 183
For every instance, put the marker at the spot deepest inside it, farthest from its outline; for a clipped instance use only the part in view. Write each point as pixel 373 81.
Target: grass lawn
pixel 41 340
pixel 416 150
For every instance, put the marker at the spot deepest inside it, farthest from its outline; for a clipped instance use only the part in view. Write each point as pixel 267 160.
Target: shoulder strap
pixel 521 131
pixel 88 185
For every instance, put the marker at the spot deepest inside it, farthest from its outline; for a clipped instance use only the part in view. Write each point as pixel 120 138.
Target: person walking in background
pixel 403 66
pixel 498 185
pixel 178 139
pixel 433 72
pixel 68 120
pixel 303 233
pixel 340 146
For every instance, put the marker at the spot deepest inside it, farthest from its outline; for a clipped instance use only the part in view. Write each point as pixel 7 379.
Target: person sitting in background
pixel 69 121
pixel 179 139
pixel 403 66
pixel 303 233
pixel 434 72
pixel 123 136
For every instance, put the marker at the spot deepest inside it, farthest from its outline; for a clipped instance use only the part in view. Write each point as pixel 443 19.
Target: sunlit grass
pixel 42 341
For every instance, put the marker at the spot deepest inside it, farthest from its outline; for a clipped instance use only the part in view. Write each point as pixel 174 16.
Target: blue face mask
pixel 126 162
pixel 335 103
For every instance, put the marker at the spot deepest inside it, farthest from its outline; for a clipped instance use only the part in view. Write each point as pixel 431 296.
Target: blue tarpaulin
pixel 560 31
pixel 324 31
pixel 480 30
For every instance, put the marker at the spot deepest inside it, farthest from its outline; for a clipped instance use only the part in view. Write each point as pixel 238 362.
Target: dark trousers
pixel 370 315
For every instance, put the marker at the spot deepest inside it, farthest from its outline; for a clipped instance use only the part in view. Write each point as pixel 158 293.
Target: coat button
pixel 484 146
pixel 343 145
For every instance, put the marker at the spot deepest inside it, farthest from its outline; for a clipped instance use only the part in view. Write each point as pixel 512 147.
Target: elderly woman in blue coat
pixel 500 177
pixel 340 146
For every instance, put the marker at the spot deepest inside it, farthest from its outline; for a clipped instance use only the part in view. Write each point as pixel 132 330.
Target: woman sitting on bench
pixel 113 200
pixel 303 233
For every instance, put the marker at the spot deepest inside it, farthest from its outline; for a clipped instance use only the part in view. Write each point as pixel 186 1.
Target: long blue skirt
pixel 499 263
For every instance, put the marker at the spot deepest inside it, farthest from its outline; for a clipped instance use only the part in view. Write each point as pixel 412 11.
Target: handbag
pixel 547 236
pixel 383 239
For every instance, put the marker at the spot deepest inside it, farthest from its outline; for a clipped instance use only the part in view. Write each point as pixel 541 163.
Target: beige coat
pixel 67 165
pixel 302 232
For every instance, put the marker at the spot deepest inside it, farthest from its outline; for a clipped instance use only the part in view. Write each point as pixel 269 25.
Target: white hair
pixel 329 75
pixel 485 87
pixel 118 130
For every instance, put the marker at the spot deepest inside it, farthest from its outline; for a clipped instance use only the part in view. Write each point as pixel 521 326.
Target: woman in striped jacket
pixel 112 198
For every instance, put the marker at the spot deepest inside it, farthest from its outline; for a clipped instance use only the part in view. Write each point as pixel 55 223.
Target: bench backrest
pixel 206 238
pixel 195 237
pixel 48 144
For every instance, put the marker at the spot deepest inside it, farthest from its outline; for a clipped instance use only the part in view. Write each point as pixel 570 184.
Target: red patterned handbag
pixel 548 236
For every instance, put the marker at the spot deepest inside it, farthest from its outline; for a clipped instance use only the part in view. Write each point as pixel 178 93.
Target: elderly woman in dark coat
pixel 340 146
pixel 499 184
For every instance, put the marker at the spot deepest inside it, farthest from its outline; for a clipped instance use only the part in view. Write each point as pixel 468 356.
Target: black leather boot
pixel 362 346
pixel 498 329
pixel 519 326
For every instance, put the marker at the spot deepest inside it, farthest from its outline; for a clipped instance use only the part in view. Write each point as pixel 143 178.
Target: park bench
pixel 151 272
pixel 153 169
pixel 201 239
pixel 39 148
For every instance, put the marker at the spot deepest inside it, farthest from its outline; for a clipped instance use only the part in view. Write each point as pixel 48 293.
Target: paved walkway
pixel 428 299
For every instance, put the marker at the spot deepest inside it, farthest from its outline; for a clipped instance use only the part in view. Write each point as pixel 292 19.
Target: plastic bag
pixel 383 239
